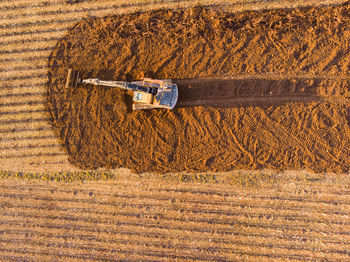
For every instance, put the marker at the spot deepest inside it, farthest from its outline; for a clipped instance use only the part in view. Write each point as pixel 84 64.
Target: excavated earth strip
pixel 247 122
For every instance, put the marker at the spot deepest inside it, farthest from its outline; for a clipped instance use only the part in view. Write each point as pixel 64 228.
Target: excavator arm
pixel 133 86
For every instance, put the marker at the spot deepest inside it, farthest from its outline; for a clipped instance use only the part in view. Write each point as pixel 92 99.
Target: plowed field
pixel 155 219
pixel 279 56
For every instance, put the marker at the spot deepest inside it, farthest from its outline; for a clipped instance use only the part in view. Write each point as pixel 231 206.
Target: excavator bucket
pixel 72 79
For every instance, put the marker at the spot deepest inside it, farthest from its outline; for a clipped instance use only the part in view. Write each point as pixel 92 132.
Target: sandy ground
pixel 283 55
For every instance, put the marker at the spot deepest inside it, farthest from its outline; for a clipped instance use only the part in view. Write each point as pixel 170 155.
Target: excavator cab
pixel 165 96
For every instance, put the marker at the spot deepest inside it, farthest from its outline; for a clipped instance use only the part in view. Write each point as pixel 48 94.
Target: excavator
pixel 147 93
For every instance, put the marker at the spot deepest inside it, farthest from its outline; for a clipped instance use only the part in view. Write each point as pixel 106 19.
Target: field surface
pixel 148 218
pixel 232 216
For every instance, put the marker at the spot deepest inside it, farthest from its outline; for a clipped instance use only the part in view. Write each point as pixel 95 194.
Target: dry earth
pixel 278 55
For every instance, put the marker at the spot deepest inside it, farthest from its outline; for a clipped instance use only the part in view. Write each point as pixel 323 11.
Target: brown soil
pixel 293 54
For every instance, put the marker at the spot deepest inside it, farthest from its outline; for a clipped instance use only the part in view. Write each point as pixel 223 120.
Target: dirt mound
pixel 99 129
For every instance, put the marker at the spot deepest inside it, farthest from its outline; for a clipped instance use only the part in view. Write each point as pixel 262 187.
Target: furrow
pixel 40 126
pixel 226 194
pixel 30 145
pixel 31 40
pixel 18 58
pixel 34 34
pixel 156 238
pixel 12 89
pixel 31 54
pixel 38 162
pixel 15 48
pixel 87 233
pixel 21 79
pixel 25 116
pixel 25 49
pixel 125 188
pixel 22 104
pixel 19 125
pixel 24 120
pixel 35 137
pixel 35 155
pixel 49 255
pixel 233 217
pixel 293 202
pixel 23 91
pixel 25 134
pixel 10 257
pixel 9 95
pixel 35 28
pixel 23 65
pixel 43 5
pixel 60 15
pixel 173 227
pixel 207 215
pixel 12 109
pixel 130 254
pixel 245 203
pixel 20 99
pixel 191 247
pixel 15 69
pixel 89 6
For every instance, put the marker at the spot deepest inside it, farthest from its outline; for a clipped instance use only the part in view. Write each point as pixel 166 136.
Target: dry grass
pixel 160 218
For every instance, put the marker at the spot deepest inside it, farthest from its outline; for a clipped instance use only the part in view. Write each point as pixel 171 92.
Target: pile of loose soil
pixel 99 128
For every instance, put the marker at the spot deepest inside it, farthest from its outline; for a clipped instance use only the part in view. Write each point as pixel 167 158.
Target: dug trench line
pixel 228 92
pixel 246 123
